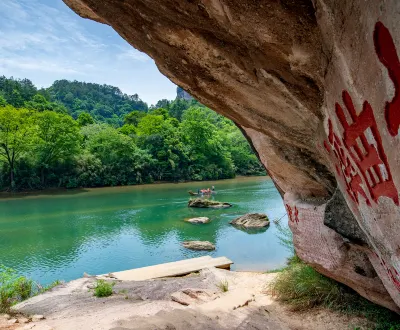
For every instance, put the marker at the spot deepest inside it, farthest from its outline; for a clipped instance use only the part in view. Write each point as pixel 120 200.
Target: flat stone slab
pixel 169 269
pixel 199 245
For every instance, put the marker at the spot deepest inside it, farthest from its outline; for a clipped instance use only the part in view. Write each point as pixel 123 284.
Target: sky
pixel 44 41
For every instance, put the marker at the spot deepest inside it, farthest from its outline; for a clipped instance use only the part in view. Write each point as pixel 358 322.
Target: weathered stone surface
pixel 23 320
pixel 190 296
pixel 314 85
pixel 251 220
pixel 339 218
pixel 207 203
pixel 199 245
pixel 198 220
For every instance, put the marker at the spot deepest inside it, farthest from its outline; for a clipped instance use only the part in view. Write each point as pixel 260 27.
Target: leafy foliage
pixel 114 140
pixel 103 289
pixel 13 288
pixel 102 102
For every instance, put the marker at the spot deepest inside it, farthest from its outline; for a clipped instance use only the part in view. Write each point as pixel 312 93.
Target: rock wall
pixel 314 84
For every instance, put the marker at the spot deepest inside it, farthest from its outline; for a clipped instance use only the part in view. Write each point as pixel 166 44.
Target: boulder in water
pixel 198 220
pixel 206 203
pixel 251 220
pixel 199 245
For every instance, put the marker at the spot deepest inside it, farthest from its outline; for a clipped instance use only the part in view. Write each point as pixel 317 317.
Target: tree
pixel 58 139
pixel 123 162
pixel 177 108
pixel 16 136
pixel 134 118
pixel 85 119
pixel 210 157
pixel 3 101
pixel 38 103
pixel 150 124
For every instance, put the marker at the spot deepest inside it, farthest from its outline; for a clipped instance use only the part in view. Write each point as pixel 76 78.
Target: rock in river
pixel 198 220
pixel 206 203
pixel 199 245
pixel 251 220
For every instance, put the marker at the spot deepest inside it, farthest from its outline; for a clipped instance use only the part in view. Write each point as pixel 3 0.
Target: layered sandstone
pixel 313 84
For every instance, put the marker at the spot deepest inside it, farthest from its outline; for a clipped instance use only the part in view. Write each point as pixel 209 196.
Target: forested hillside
pixel 76 134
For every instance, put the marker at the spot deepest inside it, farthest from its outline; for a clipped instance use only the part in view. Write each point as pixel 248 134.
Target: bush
pixel 13 288
pixel 223 286
pixel 103 288
pixel 303 287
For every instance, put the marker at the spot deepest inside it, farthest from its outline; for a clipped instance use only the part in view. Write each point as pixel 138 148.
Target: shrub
pixel 223 286
pixel 303 287
pixel 103 288
pixel 42 289
pixel 13 288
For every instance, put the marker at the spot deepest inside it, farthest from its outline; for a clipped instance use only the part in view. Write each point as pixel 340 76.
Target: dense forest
pixel 76 134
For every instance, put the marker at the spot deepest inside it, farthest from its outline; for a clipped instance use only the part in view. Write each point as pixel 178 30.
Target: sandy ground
pixel 191 302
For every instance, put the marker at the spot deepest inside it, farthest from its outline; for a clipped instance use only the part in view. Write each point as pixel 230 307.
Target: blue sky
pixel 44 40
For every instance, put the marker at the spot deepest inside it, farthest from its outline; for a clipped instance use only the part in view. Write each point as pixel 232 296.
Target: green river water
pixel 61 235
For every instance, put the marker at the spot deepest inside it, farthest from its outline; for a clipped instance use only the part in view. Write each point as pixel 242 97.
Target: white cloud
pixel 43 40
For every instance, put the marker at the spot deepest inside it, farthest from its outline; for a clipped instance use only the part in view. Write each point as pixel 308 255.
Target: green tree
pixel 3 101
pixel 123 162
pixel 16 136
pixel 177 108
pixel 134 118
pixel 150 124
pixel 58 139
pixel 210 159
pixel 85 119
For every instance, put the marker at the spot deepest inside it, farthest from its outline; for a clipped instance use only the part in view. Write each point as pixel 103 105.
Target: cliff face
pixel 314 86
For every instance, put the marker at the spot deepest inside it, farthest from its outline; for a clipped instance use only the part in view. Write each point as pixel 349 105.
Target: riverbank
pixel 191 302
pixel 64 191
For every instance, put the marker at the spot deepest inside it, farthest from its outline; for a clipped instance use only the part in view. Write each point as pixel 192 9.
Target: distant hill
pixel 104 102
pixel 101 101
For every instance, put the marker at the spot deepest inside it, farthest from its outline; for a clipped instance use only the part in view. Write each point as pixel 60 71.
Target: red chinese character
pixel 345 169
pixel 387 54
pixel 290 214
pixel 369 156
pixel 391 272
pixel 296 215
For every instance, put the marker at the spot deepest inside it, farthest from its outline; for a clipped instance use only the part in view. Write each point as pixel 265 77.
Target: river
pixel 61 235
